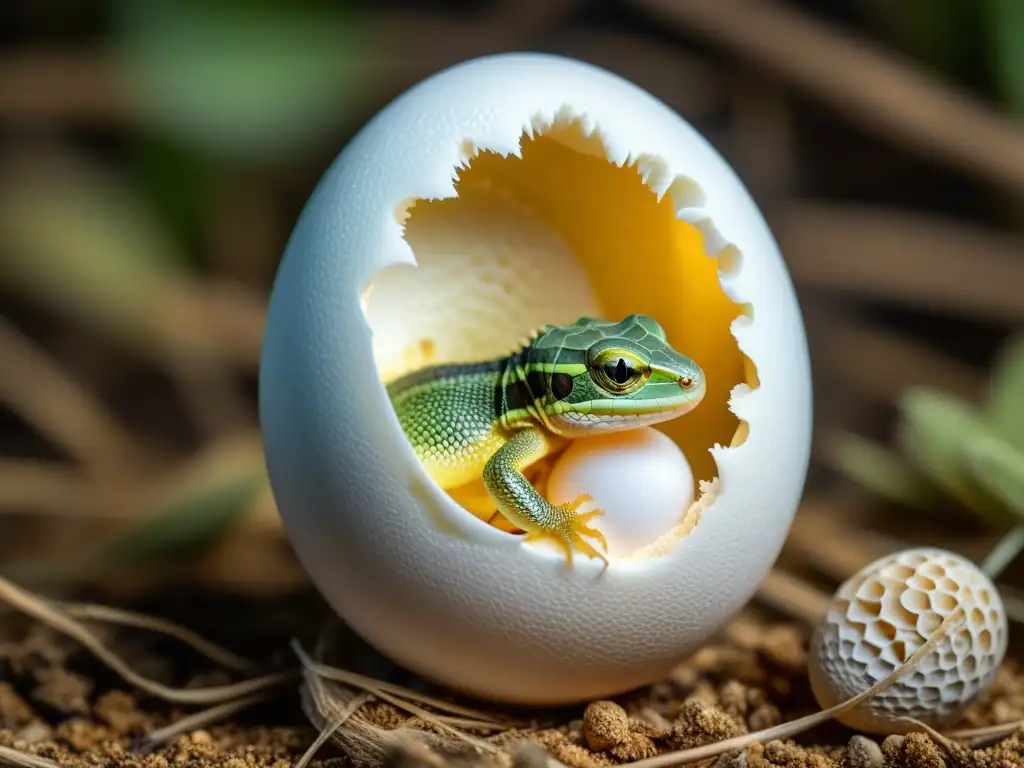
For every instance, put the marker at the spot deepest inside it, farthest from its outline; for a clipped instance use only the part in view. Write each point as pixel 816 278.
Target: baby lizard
pixel 496 418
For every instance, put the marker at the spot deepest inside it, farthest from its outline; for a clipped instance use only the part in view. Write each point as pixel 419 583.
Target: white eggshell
pixel 882 615
pixel 434 587
pixel 656 492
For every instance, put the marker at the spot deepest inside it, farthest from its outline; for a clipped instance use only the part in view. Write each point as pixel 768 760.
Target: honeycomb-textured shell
pixel 881 616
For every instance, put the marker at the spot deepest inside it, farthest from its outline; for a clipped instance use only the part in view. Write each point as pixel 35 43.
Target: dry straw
pixel 332 699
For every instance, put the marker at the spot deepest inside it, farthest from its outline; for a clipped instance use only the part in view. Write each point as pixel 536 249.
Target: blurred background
pixel 155 156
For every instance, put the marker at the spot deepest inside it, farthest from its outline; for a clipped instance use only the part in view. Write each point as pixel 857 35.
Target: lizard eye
pixel 618 372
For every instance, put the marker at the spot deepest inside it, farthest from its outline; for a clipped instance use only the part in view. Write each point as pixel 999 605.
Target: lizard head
pixel 597 376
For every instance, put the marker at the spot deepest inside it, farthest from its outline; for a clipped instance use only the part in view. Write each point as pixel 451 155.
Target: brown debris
pixel 411 753
pixel 65 691
pixel 35 732
pixel 765 716
pixel 915 750
pixel 563 749
pixel 862 752
pixel 120 711
pixel 82 734
pixel 1003 755
pixel 40 646
pixel 733 699
pixel 635 746
pixel 14 712
pixel 383 715
pixel 783 646
pixel 788 755
pixel 529 754
pixel 1002 702
pixel 651 724
pixel 698 724
pixel 739 758
pixel 605 725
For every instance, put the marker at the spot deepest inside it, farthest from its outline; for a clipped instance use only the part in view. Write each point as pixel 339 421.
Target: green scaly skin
pixel 496 418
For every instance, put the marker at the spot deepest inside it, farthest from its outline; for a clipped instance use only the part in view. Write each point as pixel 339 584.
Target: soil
pixel 58 702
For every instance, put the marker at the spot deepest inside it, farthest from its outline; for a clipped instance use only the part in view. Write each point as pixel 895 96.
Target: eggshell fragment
pixel 573 192
pixel 882 615
pixel 640 479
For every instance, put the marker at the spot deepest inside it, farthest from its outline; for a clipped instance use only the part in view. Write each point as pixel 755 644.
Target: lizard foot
pixel 570 529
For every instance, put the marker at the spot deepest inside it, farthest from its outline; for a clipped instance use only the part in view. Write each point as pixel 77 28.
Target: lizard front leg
pixel 520 502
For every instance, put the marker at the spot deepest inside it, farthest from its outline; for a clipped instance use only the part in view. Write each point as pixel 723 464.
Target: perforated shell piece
pixel 882 615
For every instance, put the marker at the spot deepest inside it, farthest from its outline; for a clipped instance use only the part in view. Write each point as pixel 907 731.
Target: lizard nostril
pixel 686 382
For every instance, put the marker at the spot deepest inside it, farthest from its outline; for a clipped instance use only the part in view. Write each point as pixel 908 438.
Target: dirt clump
pixel 14 712
pixel 699 724
pixel 63 690
pixel 605 725
pixel 862 752
pixel 915 750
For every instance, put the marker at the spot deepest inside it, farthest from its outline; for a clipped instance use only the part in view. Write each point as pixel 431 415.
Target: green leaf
pixel 188 524
pixel 1006 35
pixel 1006 550
pixel 886 473
pixel 207 499
pixel 998 467
pixel 242 81
pixel 933 432
pixel 77 240
pixel 945 36
pixel 1006 392
pixel 178 183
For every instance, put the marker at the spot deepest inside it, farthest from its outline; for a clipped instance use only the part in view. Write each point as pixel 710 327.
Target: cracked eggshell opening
pixel 561 190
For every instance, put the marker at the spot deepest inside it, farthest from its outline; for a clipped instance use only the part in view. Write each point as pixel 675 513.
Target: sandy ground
pixel 58 702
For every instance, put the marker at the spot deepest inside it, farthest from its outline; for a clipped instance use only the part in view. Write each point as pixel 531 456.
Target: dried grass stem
pixel 53 617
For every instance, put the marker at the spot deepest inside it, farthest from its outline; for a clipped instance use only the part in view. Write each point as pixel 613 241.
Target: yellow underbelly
pixel 466 464
pixel 461 475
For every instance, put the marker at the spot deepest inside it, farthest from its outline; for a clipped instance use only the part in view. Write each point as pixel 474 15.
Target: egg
pixel 637 512
pixel 490 199
pixel 883 614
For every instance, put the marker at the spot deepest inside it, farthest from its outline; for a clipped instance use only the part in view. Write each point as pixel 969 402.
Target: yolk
pixel 638 257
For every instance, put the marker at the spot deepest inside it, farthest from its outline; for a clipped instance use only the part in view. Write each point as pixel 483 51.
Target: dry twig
pixel 110 615
pixel 197 720
pixel 915 259
pixel 25 760
pixel 328 730
pixel 882 365
pixel 793 596
pixel 44 394
pixel 46 612
pixel 37 486
pixel 867 85
pixel 392 693
pixel 692 86
pixel 821 539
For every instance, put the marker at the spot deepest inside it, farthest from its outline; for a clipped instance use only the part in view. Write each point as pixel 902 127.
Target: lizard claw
pixel 570 529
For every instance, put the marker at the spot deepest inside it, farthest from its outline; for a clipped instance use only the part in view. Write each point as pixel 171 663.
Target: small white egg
pixel 493 198
pixel 882 615
pixel 636 513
